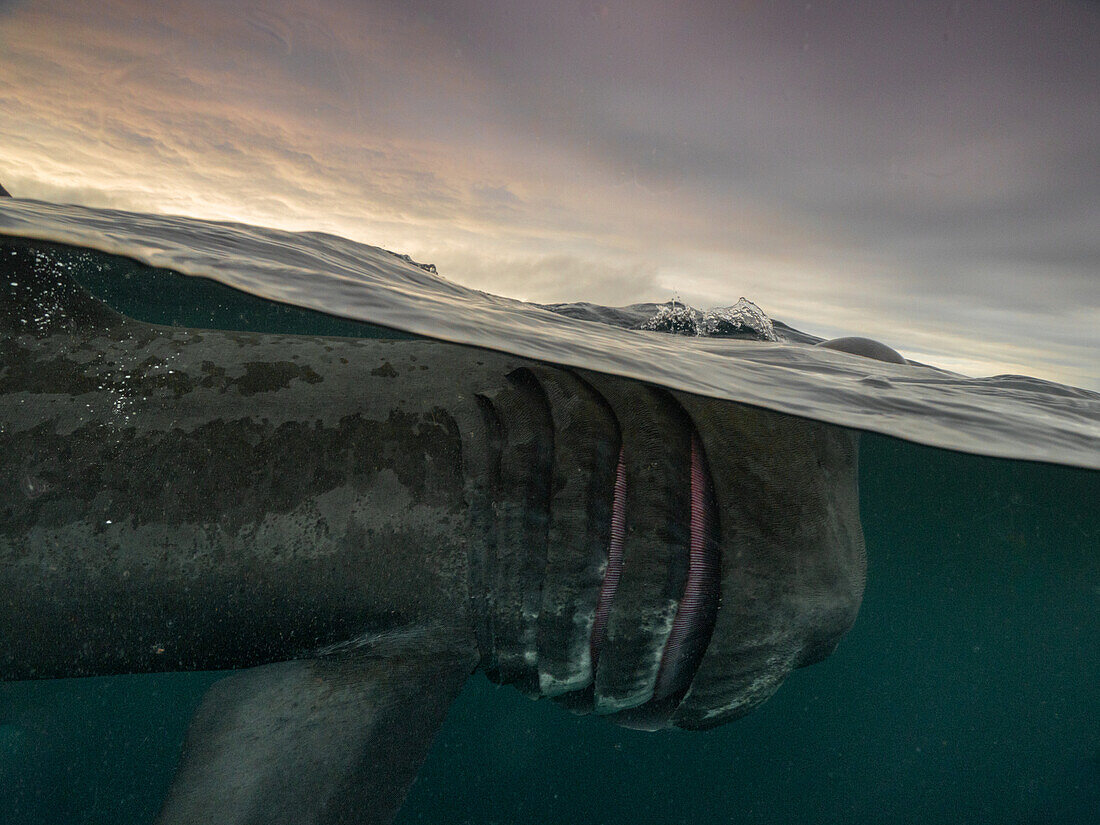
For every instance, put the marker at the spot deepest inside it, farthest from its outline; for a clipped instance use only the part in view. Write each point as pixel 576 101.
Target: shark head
pixel 658 558
pixel 354 526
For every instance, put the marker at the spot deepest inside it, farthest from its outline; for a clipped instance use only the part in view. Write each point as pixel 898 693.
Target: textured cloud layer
pixel 924 173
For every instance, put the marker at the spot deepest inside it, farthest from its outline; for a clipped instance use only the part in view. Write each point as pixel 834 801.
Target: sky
pixel 927 174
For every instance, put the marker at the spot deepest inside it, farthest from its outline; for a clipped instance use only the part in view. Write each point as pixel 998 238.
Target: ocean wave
pixel 736 353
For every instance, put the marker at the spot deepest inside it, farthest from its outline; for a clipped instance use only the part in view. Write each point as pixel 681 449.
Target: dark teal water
pixel 968 691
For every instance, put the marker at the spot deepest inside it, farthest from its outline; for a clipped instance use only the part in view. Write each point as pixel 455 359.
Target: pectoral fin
pixel 321 741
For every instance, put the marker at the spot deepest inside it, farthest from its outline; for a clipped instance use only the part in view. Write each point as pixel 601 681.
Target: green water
pixel 968 691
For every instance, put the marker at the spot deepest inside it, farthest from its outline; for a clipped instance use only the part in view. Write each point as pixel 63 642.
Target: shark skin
pixel 354 526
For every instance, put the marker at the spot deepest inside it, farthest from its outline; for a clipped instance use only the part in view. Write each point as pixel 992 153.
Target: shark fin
pixel 313 742
pixel 4 193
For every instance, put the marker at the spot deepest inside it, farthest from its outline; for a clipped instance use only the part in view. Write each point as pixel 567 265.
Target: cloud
pixel 921 171
pixel 555 278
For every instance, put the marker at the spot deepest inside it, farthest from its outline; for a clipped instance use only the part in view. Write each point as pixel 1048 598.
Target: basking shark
pixel 355 526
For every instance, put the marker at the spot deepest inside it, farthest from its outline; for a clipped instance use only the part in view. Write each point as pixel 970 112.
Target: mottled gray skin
pixel 362 523
pixel 182 500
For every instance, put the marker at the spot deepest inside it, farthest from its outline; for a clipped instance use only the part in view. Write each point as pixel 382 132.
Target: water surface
pixel 968 690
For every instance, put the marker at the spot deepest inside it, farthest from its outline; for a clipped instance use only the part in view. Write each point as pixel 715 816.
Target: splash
pixel 741 320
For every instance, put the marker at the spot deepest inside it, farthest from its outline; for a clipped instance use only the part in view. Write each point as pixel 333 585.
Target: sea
pixel 968 690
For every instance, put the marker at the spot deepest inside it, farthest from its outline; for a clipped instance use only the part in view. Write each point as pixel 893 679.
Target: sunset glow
pixel 926 174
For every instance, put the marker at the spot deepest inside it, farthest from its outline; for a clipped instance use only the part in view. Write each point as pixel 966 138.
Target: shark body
pixel 356 526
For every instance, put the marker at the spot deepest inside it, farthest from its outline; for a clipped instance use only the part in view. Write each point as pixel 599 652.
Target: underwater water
pixel 967 691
